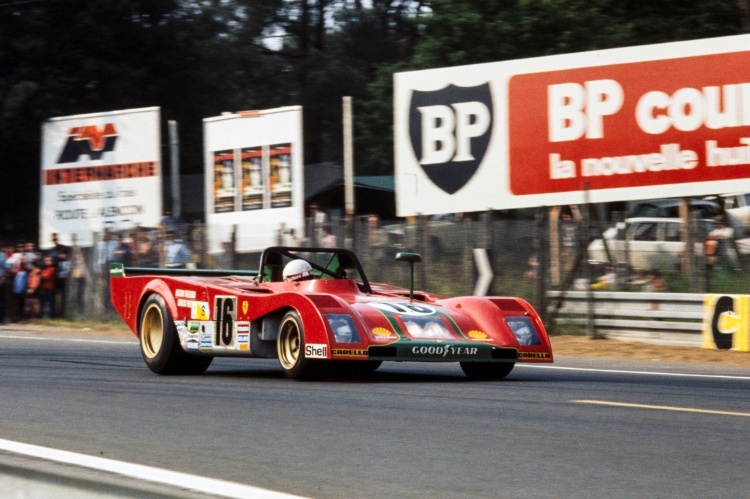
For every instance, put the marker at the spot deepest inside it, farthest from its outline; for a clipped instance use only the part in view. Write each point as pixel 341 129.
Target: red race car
pixel 315 311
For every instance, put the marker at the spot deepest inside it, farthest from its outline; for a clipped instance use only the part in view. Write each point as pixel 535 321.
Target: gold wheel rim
pixel 152 331
pixel 289 343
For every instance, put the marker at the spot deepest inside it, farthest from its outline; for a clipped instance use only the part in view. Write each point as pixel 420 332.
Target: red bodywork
pixel 238 316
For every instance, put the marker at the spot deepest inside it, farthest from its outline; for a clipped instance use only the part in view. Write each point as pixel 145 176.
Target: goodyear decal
pixel 434 351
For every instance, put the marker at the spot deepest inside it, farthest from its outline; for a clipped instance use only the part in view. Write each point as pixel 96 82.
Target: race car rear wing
pixel 119 270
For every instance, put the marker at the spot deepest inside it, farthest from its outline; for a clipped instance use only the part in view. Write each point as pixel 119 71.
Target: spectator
pixel 78 273
pixel 14 264
pixel 120 252
pixel 328 239
pixel 605 282
pixel 224 260
pixel 145 250
pixel 377 238
pixel 20 286
pixel 719 246
pixel 533 270
pixel 31 255
pixel 56 248
pixel 289 238
pixel 31 308
pixel 101 259
pixel 4 282
pixel 170 222
pixel 46 290
pixel 319 219
pixel 178 255
pixel 62 274
pixel 16 260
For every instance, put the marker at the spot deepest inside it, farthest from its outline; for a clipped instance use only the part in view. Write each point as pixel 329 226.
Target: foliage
pixel 198 58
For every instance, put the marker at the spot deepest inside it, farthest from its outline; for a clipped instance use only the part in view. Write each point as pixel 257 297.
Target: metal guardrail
pixel 663 318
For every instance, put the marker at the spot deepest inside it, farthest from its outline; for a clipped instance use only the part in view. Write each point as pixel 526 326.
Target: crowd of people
pixel 33 283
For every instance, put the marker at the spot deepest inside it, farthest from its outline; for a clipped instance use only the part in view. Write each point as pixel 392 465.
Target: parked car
pixel 670 208
pixel 648 243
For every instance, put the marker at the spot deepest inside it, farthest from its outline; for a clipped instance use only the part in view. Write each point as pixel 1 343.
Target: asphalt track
pixel 577 428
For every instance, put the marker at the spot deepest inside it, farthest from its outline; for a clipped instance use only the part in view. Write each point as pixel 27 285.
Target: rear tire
pixel 487 371
pixel 290 347
pixel 160 346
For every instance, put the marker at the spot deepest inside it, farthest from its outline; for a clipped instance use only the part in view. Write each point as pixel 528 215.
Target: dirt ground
pixel 562 346
pixel 581 346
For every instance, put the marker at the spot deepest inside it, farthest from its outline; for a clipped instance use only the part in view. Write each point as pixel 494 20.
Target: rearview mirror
pixel 412 258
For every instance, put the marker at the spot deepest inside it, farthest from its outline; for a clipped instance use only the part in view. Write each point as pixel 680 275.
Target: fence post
pixel 423 248
pixel 540 290
pixel 233 245
pixel 585 239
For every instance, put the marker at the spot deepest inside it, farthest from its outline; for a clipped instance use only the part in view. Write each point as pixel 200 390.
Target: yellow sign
pixel 726 322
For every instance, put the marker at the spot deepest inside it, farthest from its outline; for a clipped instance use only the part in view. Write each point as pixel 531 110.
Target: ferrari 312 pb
pixel 314 310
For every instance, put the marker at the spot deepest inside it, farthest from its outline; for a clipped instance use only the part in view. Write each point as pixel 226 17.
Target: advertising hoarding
pixel 655 121
pixel 100 171
pixel 254 176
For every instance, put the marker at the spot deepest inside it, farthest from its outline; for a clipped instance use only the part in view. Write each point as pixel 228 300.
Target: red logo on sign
pixel 90 141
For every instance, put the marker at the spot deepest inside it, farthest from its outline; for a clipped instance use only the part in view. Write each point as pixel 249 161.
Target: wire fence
pixel 527 257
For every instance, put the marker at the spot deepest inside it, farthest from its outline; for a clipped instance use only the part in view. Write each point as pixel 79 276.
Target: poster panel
pixel 565 129
pixel 99 171
pixel 281 175
pixel 254 177
pixel 253 188
pixel 225 191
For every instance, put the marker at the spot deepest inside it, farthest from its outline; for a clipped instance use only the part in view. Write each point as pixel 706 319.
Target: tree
pixel 461 32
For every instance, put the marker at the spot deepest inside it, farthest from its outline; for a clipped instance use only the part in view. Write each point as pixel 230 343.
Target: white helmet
pixel 297 270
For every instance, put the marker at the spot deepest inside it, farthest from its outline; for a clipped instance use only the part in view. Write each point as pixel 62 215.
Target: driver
pixel 298 270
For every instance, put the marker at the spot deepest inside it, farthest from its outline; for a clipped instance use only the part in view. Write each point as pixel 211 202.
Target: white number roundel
pixel 404 308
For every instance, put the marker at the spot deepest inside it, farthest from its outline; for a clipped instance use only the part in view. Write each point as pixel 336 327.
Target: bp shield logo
pixel 450 130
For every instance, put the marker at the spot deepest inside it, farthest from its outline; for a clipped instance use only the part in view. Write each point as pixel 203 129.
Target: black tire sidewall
pixel 487 371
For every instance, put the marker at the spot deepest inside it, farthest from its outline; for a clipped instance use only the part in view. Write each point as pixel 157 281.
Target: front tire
pixel 487 371
pixel 290 346
pixel 160 345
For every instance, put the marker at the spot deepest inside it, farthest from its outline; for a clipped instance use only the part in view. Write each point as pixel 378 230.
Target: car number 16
pixel 225 307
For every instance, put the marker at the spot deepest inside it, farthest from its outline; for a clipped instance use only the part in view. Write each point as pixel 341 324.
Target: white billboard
pixel 254 177
pixel 664 120
pixel 100 170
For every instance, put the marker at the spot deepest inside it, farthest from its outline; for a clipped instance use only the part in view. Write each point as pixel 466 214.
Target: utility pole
pixel 348 169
